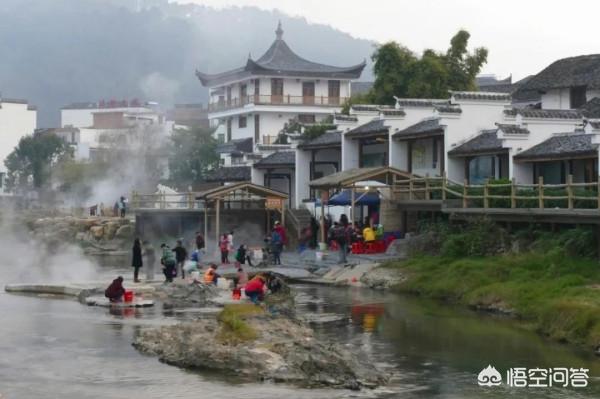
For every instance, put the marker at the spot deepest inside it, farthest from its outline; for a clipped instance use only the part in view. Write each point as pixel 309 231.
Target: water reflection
pixel 367 315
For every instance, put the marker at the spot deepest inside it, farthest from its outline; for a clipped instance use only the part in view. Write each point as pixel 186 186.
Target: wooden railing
pixel 496 194
pixel 268 99
pixel 184 200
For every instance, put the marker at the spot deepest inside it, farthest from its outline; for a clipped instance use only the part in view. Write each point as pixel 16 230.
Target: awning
pixel 344 197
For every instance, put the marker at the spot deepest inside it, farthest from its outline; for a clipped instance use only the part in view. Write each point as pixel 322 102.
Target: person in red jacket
pixel 115 290
pixel 281 231
pixel 255 289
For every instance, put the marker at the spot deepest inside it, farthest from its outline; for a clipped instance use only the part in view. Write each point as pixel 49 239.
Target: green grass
pixel 549 289
pixel 234 328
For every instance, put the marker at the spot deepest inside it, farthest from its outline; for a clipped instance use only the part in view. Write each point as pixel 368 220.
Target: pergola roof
pixel 349 177
pixel 243 188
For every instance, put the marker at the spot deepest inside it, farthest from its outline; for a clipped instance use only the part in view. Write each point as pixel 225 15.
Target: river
pixel 57 348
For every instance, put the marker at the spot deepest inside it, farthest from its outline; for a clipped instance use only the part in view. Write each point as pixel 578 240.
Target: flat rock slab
pixel 104 302
pixel 73 289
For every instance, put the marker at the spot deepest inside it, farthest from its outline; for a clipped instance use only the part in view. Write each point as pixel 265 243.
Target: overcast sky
pixel 522 36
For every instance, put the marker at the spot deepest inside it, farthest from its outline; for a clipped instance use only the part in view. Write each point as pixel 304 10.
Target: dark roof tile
pixel 393 112
pixel 279 158
pixel 583 70
pixel 344 117
pixel 512 129
pixel 373 127
pixel 486 142
pixel 544 113
pixel 591 109
pixel 560 146
pixel 229 174
pixel 327 139
pixel 480 96
pixel 424 128
pixel 237 145
pixel 448 109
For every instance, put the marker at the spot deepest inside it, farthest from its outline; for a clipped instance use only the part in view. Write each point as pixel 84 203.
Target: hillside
pixel 62 51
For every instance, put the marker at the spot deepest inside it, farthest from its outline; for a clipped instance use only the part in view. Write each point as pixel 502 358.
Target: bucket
pixel 319 255
pixel 128 296
pixel 195 275
pixel 237 294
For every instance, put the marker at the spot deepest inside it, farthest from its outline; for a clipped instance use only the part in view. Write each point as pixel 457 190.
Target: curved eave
pixel 352 72
pixel 210 80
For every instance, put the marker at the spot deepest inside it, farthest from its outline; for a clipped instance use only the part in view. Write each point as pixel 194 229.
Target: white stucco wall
pixel 16 121
pixel 557 99
pixel 85 117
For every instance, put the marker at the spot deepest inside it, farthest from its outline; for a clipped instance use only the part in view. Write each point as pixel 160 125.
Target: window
pixel 221 138
pixel 276 90
pixel 578 96
pixel 256 128
pixel 244 94
pixel 333 92
pixel 229 129
pixel 242 122
pixel 256 87
pixel 306 118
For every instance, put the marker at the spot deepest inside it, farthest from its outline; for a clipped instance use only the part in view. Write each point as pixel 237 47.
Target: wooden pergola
pixel 350 179
pixel 243 192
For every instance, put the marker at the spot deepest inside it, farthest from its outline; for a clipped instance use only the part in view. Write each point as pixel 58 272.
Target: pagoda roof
pixel 280 60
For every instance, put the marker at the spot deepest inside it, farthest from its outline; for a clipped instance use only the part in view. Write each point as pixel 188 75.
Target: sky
pixel 522 36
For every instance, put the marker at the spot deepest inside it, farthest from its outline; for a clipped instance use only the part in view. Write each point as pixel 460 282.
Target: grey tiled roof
pixel 366 107
pixel 544 113
pixel 591 109
pixel 393 112
pixel 486 142
pixel 328 139
pixel 583 70
pixel 374 127
pixel 479 95
pixel 424 128
pixel 420 102
pixel 229 174
pixel 279 158
pixel 279 59
pixel 595 124
pixel 236 146
pixel 344 117
pixel 448 109
pixel 561 146
pixel 512 129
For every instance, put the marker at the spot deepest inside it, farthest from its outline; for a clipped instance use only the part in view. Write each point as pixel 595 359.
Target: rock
pixel 97 232
pixel 110 230
pixel 186 295
pixel 284 350
pixel 382 278
pixel 124 232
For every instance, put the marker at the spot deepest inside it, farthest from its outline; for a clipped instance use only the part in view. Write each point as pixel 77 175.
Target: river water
pixel 57 348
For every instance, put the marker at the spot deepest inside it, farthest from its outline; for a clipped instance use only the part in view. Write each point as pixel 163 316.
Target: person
pixel 368 234
pixel 274 283
pixel 276 246
pixel 255 289
pixel 230 246
pixel 168 262
pixel 342 236
pixel 379 232
pixel 122 206
pixel 115 290
pixel 136 260
pixel 199 241
pixel 242 255
pixel 180 257
pixel 150 260
pixel 305 238
pixel 211 276
pixel 357 235
pixel 224 247
pixel 314 228
pixel 102 213
pixel 241 277
pixel 281 231
pixel 116 209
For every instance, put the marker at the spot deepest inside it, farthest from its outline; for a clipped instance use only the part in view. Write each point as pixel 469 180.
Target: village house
pixel 258 99
pixel 17 119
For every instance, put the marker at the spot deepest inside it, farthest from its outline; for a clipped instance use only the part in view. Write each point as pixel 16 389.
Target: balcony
pixel 267 99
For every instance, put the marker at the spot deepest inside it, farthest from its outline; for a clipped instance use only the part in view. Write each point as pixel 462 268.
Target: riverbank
pixel 551 292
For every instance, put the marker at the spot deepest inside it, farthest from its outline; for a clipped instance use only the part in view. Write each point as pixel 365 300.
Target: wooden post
pixel 427 186
pixel 283 214
pixel 444 184
pixel 570 191
pixel 513 192
pixel 217 221
pixel 352 203
pixel 410 189
pixel 486 200
pixel 465 183
pixel 541 192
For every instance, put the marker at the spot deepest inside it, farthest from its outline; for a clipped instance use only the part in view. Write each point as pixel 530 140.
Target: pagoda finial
pixel 279 31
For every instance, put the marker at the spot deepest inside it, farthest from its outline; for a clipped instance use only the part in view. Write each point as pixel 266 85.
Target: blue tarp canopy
pixel 344 197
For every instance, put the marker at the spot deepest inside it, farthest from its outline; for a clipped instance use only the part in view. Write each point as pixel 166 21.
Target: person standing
pixel 276 246
pixel 230 246
pixel 342 236
pixel 199 241
pixel 180 257
pixel 281 231
pixel 224 247
pixel 136 260
pixel 150 255
pixel 168 262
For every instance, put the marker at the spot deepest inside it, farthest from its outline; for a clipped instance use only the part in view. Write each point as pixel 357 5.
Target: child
pixel 211 276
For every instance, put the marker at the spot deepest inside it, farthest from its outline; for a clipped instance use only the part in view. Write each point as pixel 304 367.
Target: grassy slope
pixel 550 290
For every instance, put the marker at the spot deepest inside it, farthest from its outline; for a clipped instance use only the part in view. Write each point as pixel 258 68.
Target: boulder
pixel 110 229
pixel 124 232
pixel 186 295
pixel 97 232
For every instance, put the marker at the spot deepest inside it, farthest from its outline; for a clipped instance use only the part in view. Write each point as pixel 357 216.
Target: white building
pixel 17 119
pixel 81 115
pixel 256 100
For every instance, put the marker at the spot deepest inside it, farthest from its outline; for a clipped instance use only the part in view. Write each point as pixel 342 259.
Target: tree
pixel 193 154
pixel 32 159
pixel 399 72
